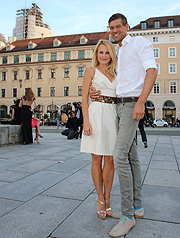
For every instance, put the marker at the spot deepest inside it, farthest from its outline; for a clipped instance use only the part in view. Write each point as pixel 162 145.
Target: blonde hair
pixel 112 52
pixel 29 94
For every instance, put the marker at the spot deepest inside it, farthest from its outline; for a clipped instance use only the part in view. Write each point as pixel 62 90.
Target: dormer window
pixel 170 23
pixel 31 45
pixel 8 47
pixel 56 42
pixel 157 24
pixel 83 40
pixel 143 25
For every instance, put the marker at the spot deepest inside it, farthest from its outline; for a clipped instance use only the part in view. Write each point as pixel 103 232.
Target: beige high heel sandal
pixel 108 210
pixel 101 214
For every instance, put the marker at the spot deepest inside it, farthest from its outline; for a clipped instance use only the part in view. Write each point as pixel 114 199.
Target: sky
pixel 66 17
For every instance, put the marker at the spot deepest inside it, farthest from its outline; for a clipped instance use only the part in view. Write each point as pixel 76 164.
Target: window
pixel 8 47
pixel 156 53
pixel 155 39
pixel 80 54
pixel 39 92
pixel 173 87
pixel 170 23
pixel 56 43
pixel 143 25
pixel 4 60
pixel 157 24
pixel 28 58
pixel 15 75
pixel 30 45
pixel 27 74
pixel 79 90
pixel 156 87
pixel 16 59
pixel 40 57
pixel 171 38
pixel 83 41
pixel 67 55
pixel 172 68
pixel 53 56
pixel 39 73
pixel 52 91
pixel 14 92
pixel 66 73
pixel 172 52
pixel 158 68
pixel 66 91
pixel 80 72
pixel 3 93
pixel 53 73
pixel 3 76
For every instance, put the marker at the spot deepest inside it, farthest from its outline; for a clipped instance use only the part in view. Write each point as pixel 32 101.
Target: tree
pixel 2 38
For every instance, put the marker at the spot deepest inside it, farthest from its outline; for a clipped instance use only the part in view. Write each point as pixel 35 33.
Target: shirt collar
pixel 125 41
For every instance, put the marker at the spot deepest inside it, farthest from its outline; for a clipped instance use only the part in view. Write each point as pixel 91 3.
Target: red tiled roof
pixel 66 41
pixel 163 20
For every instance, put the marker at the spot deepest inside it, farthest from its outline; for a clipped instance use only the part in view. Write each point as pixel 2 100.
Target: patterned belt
pixel 106 99
pixel 126 99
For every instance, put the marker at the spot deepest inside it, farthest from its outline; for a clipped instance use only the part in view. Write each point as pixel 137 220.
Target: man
pixel 59 119
pixel 79 115
pixel 72 125
pixel 136 74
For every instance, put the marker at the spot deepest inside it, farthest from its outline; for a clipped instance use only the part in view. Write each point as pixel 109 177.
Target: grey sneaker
pixel 137 213
pixel 123 227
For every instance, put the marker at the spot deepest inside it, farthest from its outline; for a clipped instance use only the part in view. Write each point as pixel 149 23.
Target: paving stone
pixel 34 165
pixel 32 185
pixel 163 158
pixel 161 203
pixel 37 218
pixel 155 229
pixel 7 206
pixel 12 176
pixel 163 165
pixel 164 151
pixel 77 186
pixel 2 184
pixel 71 165
pixel 165 178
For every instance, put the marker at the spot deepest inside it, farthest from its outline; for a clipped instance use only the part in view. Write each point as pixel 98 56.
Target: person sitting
pixel 72 125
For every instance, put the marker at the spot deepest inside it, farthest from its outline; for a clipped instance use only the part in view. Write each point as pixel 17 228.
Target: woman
pixel 100 122
pixel 35 123
pixel 16 113
pixel 26 115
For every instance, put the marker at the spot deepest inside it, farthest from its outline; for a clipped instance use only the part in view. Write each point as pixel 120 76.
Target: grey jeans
pixel 126 159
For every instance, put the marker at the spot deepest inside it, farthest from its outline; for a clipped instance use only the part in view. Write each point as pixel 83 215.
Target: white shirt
pixel 135 56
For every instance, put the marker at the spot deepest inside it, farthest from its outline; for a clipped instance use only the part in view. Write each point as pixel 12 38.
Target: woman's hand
pixel 87 130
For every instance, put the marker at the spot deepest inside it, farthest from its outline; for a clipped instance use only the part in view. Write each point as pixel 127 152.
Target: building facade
pixel 164 34
pixel 54 68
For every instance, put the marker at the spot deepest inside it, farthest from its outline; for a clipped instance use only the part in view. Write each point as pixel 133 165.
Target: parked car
pixel 40 122
pixel 52 122
pixel 159 122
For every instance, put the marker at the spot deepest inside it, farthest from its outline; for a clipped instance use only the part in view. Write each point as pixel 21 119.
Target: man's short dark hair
pixel 118 16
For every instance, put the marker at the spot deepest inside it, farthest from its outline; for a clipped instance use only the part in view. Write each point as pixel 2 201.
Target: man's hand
pixel 138 111
pixel 94 93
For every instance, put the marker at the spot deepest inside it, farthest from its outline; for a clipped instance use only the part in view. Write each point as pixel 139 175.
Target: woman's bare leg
pixel 108 176
pixel 96 172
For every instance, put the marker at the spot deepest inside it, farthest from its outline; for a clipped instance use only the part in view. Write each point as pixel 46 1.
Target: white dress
pixel 102 118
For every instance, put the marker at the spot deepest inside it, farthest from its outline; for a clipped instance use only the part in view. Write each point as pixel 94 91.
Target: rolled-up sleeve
pixel 145 53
